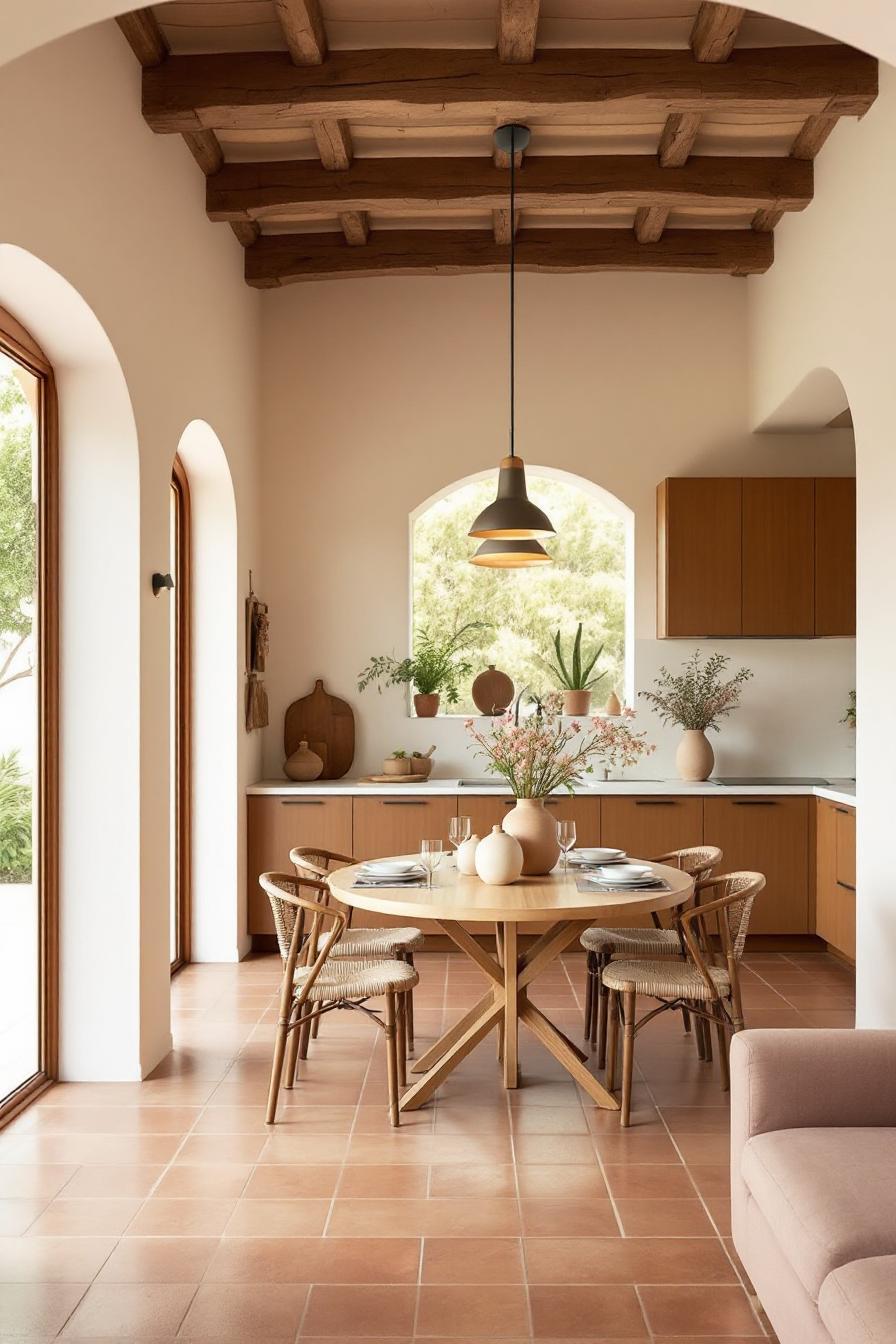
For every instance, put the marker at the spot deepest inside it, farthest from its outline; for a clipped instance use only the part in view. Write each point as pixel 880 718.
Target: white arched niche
pixel 216 703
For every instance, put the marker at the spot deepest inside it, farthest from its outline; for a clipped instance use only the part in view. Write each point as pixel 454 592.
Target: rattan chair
pixel 324 983
pixel 706 982
pixel 399 944
pixel 602 945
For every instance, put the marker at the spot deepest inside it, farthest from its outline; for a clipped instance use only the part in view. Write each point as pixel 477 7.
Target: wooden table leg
pixel 545 1031
pixel 435 1052
pixel 421 1092
pixel 511 1006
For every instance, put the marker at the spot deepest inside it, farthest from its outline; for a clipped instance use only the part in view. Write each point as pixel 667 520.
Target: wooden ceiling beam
pixel 517 29
pixel 715 31
pixel 501 225
pixel 256 190
pixel 146 38
pixel 303 28
pixel 677 139
pixel 264 90
pixel 812 136
pixel 650 222
pixel 282 259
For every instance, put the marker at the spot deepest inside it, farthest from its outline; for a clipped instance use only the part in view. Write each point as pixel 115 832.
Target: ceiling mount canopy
pixel 512 516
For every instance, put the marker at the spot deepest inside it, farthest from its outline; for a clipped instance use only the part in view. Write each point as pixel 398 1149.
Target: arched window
pixel 591 580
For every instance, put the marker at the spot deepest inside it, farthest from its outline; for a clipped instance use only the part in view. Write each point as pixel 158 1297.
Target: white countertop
pixel 841 791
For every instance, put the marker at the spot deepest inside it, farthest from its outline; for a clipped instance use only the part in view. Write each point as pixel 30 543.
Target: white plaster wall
pixel 828 303
pixel 377 393
pixel 119 213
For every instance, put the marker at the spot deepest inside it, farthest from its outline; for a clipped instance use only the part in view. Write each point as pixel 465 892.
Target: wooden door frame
pixel 182 709
pixel 20 345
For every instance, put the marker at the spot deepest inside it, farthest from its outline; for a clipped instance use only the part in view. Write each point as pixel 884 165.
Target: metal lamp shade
pixel 512 514
pixel 521 554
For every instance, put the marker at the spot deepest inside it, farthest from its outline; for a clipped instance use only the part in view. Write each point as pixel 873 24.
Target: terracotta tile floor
pixel 168 1210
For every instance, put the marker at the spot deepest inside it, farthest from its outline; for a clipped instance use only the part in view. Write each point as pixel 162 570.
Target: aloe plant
pixel 575 674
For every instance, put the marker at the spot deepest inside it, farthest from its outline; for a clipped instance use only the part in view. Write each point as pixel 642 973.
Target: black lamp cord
pixel 512 291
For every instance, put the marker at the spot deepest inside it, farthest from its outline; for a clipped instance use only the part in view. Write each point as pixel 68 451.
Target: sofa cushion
pixel 857 1302
pixel 828 1194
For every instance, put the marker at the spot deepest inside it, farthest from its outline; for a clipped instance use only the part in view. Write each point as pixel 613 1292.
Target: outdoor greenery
pixel 575 674
pixel 436 666
pixel 697 696
pixel 524 607
pixel 17 525
pixel 15 821
pixel 849 717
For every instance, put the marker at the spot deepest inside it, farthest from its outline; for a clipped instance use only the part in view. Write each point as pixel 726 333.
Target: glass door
pixel 180 645
pixel 27 718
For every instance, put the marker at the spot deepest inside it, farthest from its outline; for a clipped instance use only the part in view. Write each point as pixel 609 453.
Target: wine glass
pixel 566 835
pixel 459 830
pixel 431 856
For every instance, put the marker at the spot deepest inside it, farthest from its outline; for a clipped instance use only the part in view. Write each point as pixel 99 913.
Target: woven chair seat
pixel 665 979
pixel 633 942
pixel 378 942
pixel 357 979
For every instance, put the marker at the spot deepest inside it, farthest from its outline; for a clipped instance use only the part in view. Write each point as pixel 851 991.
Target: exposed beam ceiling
pixel 303 29
pixel 715 31
pixel 517 28
pixel 279 259
pixel 261 90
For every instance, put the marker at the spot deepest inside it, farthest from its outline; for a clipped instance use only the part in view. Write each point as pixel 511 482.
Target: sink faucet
pixel 536 700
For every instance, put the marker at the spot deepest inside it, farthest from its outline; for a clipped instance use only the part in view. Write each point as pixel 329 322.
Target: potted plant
pixel 849 718
pixel 696 698
pixel 435 668
pixel 536 756
pixel 573 673
pixel 399 763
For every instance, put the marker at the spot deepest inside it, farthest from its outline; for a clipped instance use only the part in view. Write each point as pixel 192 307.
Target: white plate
pixel 596 855
pixel 626 872
pixel 391 867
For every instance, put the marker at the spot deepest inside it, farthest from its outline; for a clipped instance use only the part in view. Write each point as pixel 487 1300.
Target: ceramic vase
pixel 303 765
pixel 613 708
pixel 576 703
pixel 694 758
pixel 536 830
pixel 466 856
pixel 498 858
pixel 492 691
pixel 426 706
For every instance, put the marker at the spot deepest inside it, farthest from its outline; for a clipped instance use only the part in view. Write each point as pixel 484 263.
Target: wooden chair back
pixel 697 861
pixel 721 909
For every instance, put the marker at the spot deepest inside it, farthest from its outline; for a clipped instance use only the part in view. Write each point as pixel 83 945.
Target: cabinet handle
pixel 301 802
pixel 655 802
pixel 845 885
pixel 754 802
pixel 844 811
pixel 404 802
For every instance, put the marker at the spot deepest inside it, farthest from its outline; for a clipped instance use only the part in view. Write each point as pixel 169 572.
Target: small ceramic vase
pixel 499 858
pixel 694 758
pixel 492 691
pixel 536 830
pixel 303 765
pixel 613 708
pixel 426 706
pixel 466 856
pixel 576 703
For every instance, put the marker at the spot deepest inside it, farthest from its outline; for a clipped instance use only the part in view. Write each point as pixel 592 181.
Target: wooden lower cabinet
pixel 768 836
pixel 485 812
pixel 387 826
pixel 835 908
pixel 648 827
pixel 275 826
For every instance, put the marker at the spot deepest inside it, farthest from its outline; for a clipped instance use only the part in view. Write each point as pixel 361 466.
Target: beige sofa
pixel 813 1180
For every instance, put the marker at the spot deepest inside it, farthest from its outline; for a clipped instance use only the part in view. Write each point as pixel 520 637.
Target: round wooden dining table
pixel 456 901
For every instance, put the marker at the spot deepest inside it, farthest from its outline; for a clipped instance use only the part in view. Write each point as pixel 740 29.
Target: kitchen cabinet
pixel 387 826
pixel 759 557
pixel 835 909
pixel 646 828
pixel 835 555
pixel 485 812
pixel 275 826
pixel 768 835
pixel 778 556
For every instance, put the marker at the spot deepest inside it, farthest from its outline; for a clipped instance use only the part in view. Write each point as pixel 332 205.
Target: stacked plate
pixel 625 877
pixel 390 872
pixel 592 858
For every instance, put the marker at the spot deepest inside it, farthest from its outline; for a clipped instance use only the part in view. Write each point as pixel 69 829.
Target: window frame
pixel 17 342
pixel 182 656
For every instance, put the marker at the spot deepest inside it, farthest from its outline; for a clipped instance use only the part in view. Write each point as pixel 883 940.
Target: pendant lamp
pixel 512 517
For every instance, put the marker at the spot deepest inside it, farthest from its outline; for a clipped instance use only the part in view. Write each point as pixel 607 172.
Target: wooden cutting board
pixel 327 724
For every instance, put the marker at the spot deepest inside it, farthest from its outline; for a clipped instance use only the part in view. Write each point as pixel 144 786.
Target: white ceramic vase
pixel 499 858
pixel 466 856
pixel 694 758
pixel 536 830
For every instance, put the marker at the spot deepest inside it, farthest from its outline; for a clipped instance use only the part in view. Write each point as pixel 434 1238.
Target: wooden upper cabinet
pixel 768 835
pixel 698 557
pixel 778 556
pixel 275 826
pixel 835 555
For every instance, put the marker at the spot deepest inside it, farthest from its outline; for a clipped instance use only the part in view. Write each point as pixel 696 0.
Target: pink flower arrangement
pixel 540 754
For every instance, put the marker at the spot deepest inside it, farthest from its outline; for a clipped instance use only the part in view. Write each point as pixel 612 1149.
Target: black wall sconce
pixel 160 581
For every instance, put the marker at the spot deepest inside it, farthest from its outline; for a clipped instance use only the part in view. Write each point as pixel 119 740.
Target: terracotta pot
pixel 426 706
pixel 694 758
pixel 466 856
pixel 397 765
pixel 499 858
pixel 536 830
pixel 303 765
pixel 576 703
pixel 492 691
